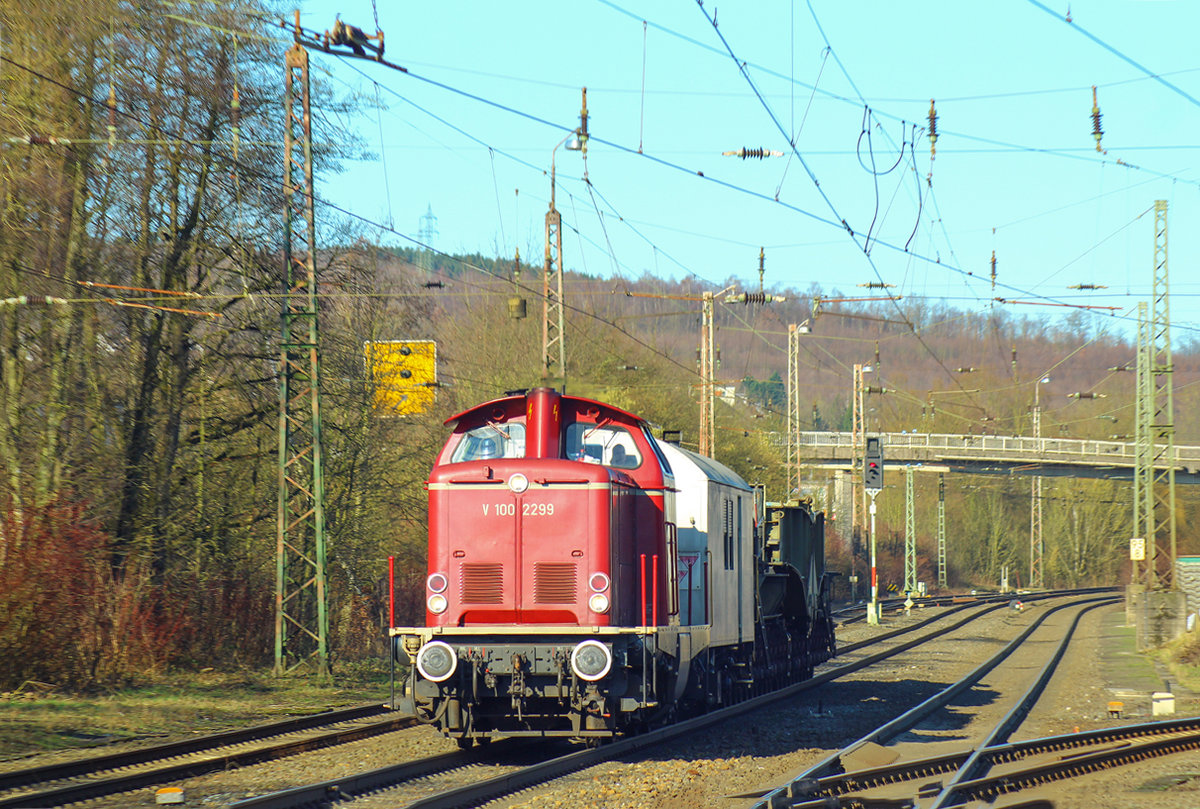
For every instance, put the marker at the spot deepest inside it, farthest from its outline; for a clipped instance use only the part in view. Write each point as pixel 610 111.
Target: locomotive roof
pixel 712 469
pixel 632 417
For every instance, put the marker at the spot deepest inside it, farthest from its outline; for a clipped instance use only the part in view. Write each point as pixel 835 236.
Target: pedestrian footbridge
pixel 996 454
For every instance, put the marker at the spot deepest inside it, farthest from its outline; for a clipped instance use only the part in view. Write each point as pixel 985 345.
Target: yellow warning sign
pixel 404 373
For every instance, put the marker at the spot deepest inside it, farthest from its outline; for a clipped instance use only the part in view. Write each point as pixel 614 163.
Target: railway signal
pixel 873 468
pixel 873 483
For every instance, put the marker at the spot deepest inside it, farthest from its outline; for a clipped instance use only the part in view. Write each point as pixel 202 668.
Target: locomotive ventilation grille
pixel 482 583
pixel 554 582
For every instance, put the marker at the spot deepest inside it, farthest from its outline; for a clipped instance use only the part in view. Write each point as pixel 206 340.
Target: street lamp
pixel 576 144
pixel 1037 411
pixel 577 138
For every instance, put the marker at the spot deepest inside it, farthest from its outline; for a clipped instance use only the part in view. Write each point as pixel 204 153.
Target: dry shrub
pixel 360 627
pixel 66 617
pixel 232 620
pixel 135 625
pixel 410 592
pixel 1188 650
pixel 49 582
pixel 357 634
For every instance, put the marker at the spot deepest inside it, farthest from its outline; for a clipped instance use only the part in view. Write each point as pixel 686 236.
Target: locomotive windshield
pixel 607 444
pixel 491 441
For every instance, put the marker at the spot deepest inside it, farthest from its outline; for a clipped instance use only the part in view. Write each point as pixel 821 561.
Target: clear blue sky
pixel 1016 169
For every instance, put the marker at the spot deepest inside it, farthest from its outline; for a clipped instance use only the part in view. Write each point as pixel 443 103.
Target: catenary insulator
pixel 757 153
pixel 933 136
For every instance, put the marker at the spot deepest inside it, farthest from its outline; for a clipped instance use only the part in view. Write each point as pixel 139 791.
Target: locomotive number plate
pixel 527 509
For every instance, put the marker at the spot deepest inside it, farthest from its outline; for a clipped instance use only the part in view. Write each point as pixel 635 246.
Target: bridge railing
pixel 1014 447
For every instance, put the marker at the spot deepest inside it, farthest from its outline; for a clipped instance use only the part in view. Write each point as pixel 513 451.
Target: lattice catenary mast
pixel 301 616
pixel 554 347
pixel 858 495
pixel 910 533
pixel 1143 453
pixel 941 530
pixel 793 412
pixel 1156 399
pixel 708 423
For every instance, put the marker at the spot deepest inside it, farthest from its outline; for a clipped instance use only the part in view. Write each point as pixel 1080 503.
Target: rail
pixel 820 786
pixel 208 747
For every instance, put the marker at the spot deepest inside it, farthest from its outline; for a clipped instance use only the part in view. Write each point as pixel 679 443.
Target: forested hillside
pixel 140 281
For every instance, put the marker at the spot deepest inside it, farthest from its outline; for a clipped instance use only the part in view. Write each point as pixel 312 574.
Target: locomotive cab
pixel 541 509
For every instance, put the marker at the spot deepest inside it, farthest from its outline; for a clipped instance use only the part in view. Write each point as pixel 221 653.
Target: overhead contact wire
pixel 821 191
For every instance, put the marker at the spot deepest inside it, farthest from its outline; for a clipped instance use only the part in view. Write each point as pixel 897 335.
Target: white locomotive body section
pixel 714 518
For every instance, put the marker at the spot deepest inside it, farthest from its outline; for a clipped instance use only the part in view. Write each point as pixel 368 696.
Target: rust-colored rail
pixel 57 796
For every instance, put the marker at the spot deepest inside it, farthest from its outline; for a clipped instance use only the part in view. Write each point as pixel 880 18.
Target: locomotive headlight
pixel 437 603
pixel 436 583
pixel 591 660
pixel 518 483
pixel 598 602
pixel 436 661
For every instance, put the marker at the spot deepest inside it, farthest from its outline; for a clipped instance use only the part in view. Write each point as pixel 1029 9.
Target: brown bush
pixel 231 620
pixel 1188 650
pixel 67 618
pixel 64 617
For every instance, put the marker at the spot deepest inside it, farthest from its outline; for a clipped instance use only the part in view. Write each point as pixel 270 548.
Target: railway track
pixel 98 776
pixel 1015 766
pixel 474 789
pixel 496 769
pixel 990 768
pixel 858 612
pixel 420 779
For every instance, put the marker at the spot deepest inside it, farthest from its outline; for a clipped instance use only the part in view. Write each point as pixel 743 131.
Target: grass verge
pixel 35 718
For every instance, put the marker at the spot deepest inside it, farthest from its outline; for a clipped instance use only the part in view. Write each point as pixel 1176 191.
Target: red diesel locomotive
pixel 587 580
